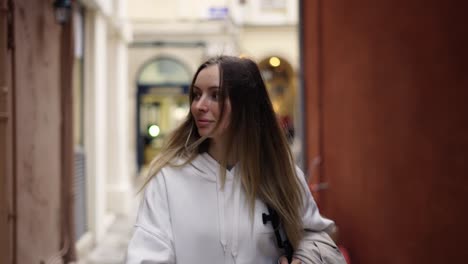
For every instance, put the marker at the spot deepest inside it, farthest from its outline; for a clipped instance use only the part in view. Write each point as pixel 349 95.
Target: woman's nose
pixel 202 104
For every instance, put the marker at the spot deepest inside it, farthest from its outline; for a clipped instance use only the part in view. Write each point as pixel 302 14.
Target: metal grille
pixel 81 224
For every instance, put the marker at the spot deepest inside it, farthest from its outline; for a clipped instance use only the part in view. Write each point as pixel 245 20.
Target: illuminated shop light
pixel 154 131
pixel 275 61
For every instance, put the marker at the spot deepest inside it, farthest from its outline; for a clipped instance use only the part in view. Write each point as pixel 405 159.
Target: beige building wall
pixel 255 29
pixel 260 42
pixel 161 10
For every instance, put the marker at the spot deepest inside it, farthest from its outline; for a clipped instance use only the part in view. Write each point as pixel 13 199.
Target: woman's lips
pixel 203 122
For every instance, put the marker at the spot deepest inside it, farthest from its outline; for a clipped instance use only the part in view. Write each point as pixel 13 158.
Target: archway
pixel 162 103
pixel 280 82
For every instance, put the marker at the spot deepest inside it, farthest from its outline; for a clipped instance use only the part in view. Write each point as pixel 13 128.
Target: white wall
pixel 254 29
pixel 261 42
pixel 259 13
pixel 154 10
pixel 252 12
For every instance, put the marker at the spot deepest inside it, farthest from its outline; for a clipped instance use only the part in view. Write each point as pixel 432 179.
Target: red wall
pixel 389 83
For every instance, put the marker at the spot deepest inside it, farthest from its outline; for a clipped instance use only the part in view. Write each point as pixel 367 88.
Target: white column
pixel 119 187
pixel 293 11
pixel 95 123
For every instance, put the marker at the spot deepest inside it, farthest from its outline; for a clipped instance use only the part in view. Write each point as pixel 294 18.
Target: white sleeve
pixel 311 217
pixel 316 246
pixel 152 241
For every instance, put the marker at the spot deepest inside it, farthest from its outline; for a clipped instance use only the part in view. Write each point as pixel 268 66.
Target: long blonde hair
pixel 254 136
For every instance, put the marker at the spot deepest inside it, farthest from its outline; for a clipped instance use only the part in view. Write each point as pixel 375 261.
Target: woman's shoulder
pixel 181 170
pixel 174 170
pixel 178 163
pixel 198 165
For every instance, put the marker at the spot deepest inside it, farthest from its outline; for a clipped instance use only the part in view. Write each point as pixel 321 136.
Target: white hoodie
pixel 187 218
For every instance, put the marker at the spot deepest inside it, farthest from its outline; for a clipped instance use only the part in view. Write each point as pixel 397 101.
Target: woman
pixel 218 172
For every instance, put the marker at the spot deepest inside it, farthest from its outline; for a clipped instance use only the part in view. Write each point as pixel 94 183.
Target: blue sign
pixel 218 12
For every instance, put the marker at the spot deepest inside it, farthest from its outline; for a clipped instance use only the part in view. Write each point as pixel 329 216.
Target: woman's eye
pixel 196 96
pixel 215 95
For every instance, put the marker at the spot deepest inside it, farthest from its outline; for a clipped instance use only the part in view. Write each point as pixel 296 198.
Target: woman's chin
pixel 204 132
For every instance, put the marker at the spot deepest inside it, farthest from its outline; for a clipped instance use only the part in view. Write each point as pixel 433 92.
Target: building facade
pixel 183 34
pixel 103 173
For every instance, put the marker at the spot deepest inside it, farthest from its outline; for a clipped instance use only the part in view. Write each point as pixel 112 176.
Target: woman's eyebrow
pixel 214 87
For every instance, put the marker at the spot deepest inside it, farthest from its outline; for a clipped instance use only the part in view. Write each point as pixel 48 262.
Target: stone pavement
pixel 112 249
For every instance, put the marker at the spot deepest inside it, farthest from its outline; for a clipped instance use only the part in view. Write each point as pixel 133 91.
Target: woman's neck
pixel 216 150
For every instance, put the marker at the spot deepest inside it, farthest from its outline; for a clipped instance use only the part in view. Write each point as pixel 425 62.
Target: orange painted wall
pixel 389 85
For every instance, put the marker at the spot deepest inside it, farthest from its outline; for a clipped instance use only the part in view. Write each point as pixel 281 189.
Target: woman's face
pixel 205 106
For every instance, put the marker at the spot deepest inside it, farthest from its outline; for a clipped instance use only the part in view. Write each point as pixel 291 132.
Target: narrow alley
pixel 368 96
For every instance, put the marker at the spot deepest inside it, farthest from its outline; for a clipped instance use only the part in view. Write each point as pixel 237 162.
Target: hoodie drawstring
pixel 220 198
pixel 235 228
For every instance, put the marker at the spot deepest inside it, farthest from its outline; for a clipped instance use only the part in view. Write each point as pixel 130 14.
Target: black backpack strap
pixel 273 217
